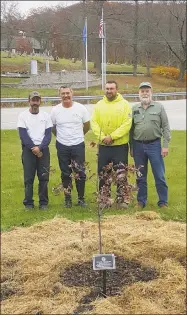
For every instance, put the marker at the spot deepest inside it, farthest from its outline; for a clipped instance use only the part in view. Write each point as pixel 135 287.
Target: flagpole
pixel 102 67
pixel 86 55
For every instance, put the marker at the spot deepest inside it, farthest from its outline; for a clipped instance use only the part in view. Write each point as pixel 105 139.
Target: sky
pixel 25 6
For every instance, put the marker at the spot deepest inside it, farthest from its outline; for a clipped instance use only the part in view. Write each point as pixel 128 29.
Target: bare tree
pixel 97 10
pixel 148 51
pixel 177 46
pixel 135 42
pixel 40 24
pixel 10 17
pixel 143 32
pixel 83 45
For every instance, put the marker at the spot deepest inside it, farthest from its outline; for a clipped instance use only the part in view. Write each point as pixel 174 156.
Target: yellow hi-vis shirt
pixel 112 118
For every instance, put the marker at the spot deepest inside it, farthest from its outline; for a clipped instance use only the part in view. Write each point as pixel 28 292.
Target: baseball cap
pixel 146 84
pixel 34 94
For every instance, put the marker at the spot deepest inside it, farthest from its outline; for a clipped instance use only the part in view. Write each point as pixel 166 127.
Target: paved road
pixel 176 111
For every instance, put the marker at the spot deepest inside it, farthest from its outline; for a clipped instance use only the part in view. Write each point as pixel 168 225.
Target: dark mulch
pixel 10 285
pixel 8 288
pixel 126 273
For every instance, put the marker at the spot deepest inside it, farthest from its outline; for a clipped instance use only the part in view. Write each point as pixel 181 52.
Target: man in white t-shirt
pixel 71 121
pixel 35 128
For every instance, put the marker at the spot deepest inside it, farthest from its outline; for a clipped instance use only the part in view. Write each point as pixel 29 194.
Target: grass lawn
pixel 22 63
pixel 15 92
pixel 11 80
pixel 13 213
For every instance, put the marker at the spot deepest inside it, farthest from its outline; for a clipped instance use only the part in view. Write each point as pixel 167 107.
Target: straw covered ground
pixel 47 268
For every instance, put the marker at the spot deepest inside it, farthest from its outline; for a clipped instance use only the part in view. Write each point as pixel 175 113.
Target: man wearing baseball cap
pixel 35 128
pixel 150 125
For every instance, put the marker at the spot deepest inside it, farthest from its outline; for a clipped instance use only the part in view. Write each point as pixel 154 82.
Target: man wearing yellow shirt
pixel 111 122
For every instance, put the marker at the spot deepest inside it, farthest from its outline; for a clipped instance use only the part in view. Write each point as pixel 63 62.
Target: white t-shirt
pixel 36 124
pixel 69 123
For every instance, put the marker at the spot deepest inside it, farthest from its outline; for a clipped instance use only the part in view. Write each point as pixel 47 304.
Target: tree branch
pixel 172 50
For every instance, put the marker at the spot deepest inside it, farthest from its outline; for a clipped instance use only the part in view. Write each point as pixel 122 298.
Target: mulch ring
pixel 126 273
pixel 10 282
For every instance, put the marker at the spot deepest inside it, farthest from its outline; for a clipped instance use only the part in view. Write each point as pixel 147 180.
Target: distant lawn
pixel 15 92
pixel 127 84
pixel 13 213
pixel 125 68
pixel 18 93
pixel 22 63
pixel 11 80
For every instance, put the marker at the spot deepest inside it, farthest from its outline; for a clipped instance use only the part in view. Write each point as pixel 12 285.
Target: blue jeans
pixel 152 152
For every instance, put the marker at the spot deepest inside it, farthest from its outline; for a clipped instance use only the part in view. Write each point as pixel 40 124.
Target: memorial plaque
pixel 104 262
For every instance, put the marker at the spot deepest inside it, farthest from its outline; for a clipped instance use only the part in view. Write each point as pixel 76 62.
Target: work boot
pixel 122 205
pixel 68 202
pixel 139 205
pixel 163 205
pixel 81 203
pixel 43 207
pixel 29 207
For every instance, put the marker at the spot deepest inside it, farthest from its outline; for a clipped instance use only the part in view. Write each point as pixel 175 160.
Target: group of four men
pixel 113 122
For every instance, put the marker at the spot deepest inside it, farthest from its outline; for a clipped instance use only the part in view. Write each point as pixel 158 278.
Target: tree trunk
pixel 182 68
pixel 149 8
pixel 135 45
pixel 115 55
pixel 9 53
pixel 148 63
pixel 98 57
pixel 98 51
pixel 135 61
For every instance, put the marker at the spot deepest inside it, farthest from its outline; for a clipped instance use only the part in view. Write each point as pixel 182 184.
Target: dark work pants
pixel 31 165
pixel 108 154
pixel 66 154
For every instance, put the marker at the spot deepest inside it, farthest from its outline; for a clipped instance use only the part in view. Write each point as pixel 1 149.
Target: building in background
pixel 20 44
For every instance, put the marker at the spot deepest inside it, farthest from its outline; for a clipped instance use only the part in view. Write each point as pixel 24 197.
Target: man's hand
pixel 36 151
pixel 86 127
pixel 164 152
pixel 107 140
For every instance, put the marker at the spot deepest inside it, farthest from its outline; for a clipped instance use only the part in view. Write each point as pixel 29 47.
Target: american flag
pixel 101 29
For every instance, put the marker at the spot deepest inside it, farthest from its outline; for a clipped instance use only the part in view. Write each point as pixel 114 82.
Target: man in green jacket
pixel 111 122
pixel 150 124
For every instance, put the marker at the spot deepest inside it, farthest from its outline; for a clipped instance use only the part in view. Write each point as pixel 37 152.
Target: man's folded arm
pixel 25 139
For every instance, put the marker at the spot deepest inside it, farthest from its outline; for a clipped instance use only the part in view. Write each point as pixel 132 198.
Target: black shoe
pixel 163 205
pixel 43 207
pixel 82 203
pixel 27 207
pixel 68 203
